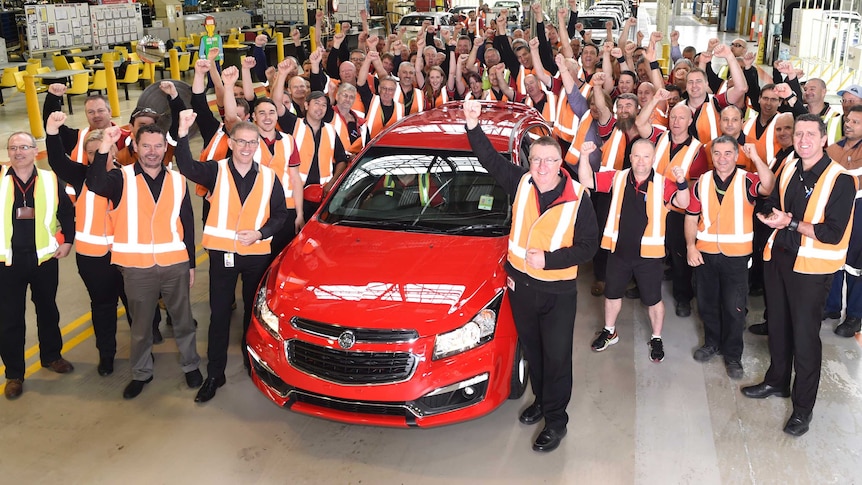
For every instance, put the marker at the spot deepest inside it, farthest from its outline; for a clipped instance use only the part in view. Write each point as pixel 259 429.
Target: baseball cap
pixel 854 89
pixel 144 111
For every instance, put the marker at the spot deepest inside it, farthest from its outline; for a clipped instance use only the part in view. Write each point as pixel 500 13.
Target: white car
pixel 413 21
pixel 595 24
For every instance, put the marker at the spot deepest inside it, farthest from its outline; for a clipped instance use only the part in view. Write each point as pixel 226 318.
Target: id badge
pixel 510 283
pixel 228 260
pixel 25 213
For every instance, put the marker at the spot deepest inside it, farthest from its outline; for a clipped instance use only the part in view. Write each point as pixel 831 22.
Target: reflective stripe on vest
pixel 549 112
pixel 94 232
pixel 814 257
pixel 573 154
pixel 46 225
pixel 343 133
pixel 725 227
pixel 417 105
pixel 566 123
pixel 652 242
pixel 549 231
pixel 424 187
pixel 228 215
pixel 706 122
pixel 147 232
pixel 683 159
pixel 279 162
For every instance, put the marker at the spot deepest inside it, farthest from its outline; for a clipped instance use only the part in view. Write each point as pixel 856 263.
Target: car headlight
pixel 262 312
pixel 479 330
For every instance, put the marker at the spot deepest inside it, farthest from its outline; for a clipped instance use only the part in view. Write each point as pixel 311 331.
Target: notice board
pixel 116 24
pixel 60 26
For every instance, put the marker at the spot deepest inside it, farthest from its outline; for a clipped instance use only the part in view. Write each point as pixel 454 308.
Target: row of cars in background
pixel 594 18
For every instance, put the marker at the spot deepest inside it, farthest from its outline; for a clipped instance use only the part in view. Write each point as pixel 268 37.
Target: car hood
pixel 373 278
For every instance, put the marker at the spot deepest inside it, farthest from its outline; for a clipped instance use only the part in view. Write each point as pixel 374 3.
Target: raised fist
pixel 55 121
pixel 248 62
pixel 57 89
pixel 168 88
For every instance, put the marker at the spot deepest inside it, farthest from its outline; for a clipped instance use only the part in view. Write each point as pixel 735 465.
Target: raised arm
pixel 229 77
pixel 248 64
pixel 608 85
pixel 643 119
pixel 767 178
pixel 655 72
pixel 541 74
pixel 585 171
pixel 597 82
pixel 499 70
pixel 740 86
pixel 285 67
pixel 565 40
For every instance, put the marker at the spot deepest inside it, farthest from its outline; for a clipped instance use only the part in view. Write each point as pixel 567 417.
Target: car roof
pixel 427 14
pixel 435 128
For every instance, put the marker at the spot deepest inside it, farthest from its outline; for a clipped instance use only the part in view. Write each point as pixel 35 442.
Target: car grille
pixel 355 407
pixel 362 334
pixel 350 367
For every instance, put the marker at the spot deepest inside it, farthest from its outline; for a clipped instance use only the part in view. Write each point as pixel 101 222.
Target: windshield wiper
pixel 492 228
pixel 387 224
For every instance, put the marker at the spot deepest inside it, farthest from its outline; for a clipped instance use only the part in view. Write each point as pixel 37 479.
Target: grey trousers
pixel 143 286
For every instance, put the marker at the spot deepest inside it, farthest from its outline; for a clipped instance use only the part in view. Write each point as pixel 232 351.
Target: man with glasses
pixel 235 235
pixel 154 247
pixel 635 235
pixel 553 231
pixel 38 229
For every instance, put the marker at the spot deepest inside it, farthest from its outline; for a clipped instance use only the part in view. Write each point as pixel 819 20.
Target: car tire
pixel 520 373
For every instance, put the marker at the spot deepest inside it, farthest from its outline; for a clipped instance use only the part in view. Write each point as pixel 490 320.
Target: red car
pixel 389 308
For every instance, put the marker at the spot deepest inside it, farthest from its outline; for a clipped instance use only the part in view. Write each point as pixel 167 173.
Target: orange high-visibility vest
pixel 549 110
pixel 374 123
pixel 725 227
pixel 416 106
pixel 706 122
pixel 614 151
pixel 228 215
pixel 341 128
pixel 523 72
pixel 652 242
pixel 216 150
pixel 814 257
pixel 279 163
pixel 94 230
pixel 767 145
pixel 549 231
pixel 304 138
pixel 147 232
pixel 565 122
pixel 684 158
pixel 573 154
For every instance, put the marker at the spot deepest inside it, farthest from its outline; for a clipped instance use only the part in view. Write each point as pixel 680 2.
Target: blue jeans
pixel 834 302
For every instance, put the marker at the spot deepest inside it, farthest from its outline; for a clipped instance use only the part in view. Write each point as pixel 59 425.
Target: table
pixel 90 53
pixel 64 74
pixel 232 55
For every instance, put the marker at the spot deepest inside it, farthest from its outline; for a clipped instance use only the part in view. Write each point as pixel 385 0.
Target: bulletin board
pixel 60 26
pixel 116 24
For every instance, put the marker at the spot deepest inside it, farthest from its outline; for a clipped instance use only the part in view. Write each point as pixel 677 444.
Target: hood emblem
pixel 346 340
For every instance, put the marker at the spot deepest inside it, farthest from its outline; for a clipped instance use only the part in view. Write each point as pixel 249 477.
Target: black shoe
pixel 797 425
pixel 633 293
pixel 764 390
pixel 733 368
pixel 134 388
pixel 705 353
pixel 683 309
pixel 157 336
pixel 759 329
pixel 194 379
pixel 848 327
pixel 549 439
pixel 208 390
pixel 831 315
pixel 532 415
pixel 106 366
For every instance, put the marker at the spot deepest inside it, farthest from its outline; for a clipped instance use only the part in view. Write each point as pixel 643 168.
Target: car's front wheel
pixel 520 373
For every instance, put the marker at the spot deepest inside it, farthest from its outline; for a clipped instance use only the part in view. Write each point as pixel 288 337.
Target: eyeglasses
pixel 244 143
pixel 545 161
pixel 736 44
pixel 850 101
pixel 144 112
pixel 22 148
pixel 771 100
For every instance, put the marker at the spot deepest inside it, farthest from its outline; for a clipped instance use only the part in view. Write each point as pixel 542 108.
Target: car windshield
pixel 596 22
pixel 507 5
pixel 405 189
pixel 415 20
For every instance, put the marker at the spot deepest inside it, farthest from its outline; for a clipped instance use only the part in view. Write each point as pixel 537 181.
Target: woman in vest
pixel 437 88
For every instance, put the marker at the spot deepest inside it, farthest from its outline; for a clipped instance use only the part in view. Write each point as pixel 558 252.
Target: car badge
pixel 346 339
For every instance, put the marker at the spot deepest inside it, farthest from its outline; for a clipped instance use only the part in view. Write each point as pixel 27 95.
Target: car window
pixel 406 189
pixel 596 22
pixel 414 20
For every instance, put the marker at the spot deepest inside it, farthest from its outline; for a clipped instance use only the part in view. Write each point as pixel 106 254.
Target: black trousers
pixel 42 279
pixel 602 205
pixel 282 238
pixel 104 284
pixel 222 291
pixel 722 294
pixel 680 270
pixel 795 303
pixel 545 323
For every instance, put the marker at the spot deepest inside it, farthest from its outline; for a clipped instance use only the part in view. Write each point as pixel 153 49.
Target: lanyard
pixel 25 189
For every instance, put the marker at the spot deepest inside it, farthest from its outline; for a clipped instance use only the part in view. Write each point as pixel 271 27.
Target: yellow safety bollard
pixel 33 111
pixel 113 92
pixel 279 46
pixel 152 73
pixel 312 34
pixel 175 64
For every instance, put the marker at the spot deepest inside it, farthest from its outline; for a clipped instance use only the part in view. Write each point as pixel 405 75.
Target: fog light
pixel 468 392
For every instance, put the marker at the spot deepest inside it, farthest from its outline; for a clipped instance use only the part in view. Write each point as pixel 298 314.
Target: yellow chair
pixel 124 53
pixel 80 85
pixel 60 63
pixel 19 80
pixel 75 51
pixel 185 64
pixel 80 60
pixel 7 81
pixel 99 82
pixel 133 72
pixel 43 70
pixel 76 66
pixel 111 56
pixel 33 68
